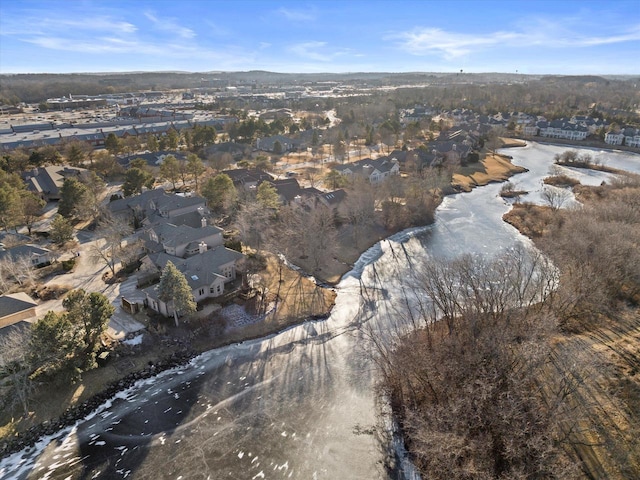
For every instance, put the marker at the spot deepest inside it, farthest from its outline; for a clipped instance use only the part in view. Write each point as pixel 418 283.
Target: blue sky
pixel 563 37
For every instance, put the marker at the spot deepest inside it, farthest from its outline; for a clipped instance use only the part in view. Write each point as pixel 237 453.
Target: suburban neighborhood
pixel 226 215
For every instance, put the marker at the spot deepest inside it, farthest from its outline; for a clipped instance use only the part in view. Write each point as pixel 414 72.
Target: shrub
pixel 67 265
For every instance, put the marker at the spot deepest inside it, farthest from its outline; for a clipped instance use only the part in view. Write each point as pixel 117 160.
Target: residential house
pixel 247 179
pixel 16 307
pixel 207 274
pixel 153 159
pixel 279 114
pixel 194 219
pixel 157 202
pixel 37 256
pixel 412 160
pixel 288 189
pixel 268 144
pixel 614 138
pixel 449 152
pixel 236 150
pixel 562 129
pixel 374 171
pixel 335 201
pixel 170 206
pixel 181 240
pixel 47 181
pixel 631 137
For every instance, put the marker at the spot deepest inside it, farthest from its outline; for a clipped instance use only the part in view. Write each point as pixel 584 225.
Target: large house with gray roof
pixel 156 202
pixel 37 256
pixel 207 273
pixel 247 178
pixel 47 181
pixel 374 171
pixel 181 240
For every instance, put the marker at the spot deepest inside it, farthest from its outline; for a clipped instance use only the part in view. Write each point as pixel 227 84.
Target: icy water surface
pixel 300 404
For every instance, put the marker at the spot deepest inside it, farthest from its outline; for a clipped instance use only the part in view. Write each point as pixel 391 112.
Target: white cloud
pixel 451 45
pixel 298 15
pixel 170 25
pixel 66 26
pixel 215 29
pixel 310 50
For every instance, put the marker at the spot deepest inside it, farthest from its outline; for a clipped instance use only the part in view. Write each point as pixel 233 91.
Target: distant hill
pixel 33 88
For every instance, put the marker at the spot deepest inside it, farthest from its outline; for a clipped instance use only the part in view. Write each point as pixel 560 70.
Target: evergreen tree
pixel 195 167
pixel 170 169
pixel 10 204
pixel 219 191
pixel 267 196
pixel 89 313
pixel 31 208
pixel 75 153
pixel 52 344
pixel 72 196
pixel 152 143
pixel 134 180
pixel 61 230
pixel 112 143
pixel 174 290
pixel 173 139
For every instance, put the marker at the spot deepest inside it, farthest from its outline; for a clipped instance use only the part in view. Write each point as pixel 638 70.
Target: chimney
pixel 203 222
pixel 202 247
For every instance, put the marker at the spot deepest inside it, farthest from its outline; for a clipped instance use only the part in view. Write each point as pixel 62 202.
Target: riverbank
pixel 493 168
pixel 300 299
pixel 165 346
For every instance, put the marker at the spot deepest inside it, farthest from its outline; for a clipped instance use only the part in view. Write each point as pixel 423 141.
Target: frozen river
pixel 300 404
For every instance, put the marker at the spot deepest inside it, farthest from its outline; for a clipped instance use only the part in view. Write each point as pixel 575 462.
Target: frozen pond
pixel 300 404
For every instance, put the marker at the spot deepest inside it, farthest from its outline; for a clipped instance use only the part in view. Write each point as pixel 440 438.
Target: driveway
pixel 87 274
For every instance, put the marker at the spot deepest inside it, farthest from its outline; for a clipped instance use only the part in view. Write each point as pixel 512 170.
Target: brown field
pixel 494 168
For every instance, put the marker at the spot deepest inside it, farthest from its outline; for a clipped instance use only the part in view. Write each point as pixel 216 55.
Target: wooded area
pixel 518 369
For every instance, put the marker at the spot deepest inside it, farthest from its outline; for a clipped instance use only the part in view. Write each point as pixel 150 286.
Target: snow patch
pixel 137 340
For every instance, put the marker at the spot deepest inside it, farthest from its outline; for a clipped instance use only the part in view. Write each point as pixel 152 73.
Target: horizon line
pixel 191 72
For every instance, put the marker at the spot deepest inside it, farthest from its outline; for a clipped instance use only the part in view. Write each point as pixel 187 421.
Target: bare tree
pixel 108 249
pixel 555 197
pixel 306 234
pixel 15 369
pixel 360 208
pixel 18 271
pixel 494 140
pixel 462 368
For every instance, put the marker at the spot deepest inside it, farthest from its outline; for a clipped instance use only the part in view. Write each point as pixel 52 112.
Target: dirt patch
pixel 604 429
